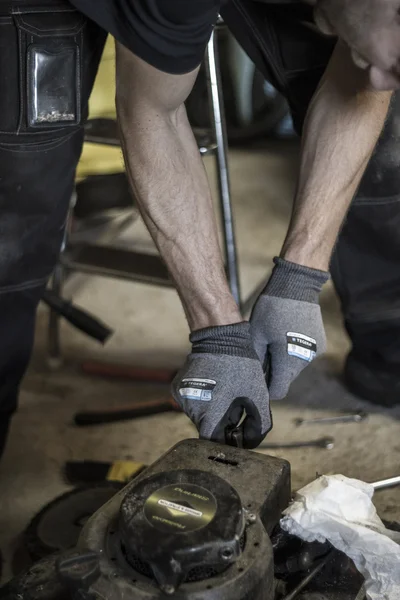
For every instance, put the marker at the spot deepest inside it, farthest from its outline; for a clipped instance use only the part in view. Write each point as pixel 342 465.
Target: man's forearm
pixel 342 126
pixel 167 174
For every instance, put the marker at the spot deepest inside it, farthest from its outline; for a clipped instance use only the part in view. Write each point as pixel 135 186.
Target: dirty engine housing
pixel 195 525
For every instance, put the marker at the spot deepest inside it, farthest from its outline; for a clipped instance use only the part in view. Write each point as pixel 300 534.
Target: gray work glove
pixel 220 378
pixel 286 324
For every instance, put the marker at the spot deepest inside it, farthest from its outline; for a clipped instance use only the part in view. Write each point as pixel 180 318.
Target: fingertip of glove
pixel 277 395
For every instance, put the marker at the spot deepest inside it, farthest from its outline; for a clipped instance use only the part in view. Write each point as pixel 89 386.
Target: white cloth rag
pixel 340 510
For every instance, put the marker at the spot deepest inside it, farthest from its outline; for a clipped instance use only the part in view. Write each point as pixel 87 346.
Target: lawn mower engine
pixel 193 526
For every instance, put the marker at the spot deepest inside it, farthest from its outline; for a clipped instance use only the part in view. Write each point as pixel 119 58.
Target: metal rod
pixel 327 442
pixel 219 128
pixel 386 483
pixel 294 593
pixel 355 417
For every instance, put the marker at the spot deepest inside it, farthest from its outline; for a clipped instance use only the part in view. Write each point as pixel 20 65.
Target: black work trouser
pixel 44 47
pixel 366 264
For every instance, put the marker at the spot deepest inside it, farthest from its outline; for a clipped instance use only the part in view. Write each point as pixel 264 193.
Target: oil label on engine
pixel 197 388
pixel 180 508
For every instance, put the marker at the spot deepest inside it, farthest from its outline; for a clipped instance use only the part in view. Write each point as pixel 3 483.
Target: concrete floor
pixel 150 329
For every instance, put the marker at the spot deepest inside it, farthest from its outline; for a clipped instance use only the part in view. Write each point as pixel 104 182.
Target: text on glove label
pixel 197 389
pixel 301 346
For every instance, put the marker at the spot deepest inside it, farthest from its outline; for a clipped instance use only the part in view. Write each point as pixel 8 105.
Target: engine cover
pixel 184 525
pixel 195 525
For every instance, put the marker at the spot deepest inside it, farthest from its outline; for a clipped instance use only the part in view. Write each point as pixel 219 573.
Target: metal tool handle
pixel 386 483
pixel 327 443
pixel 348 418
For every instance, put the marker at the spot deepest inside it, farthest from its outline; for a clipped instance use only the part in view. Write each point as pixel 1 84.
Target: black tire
pixel 65 536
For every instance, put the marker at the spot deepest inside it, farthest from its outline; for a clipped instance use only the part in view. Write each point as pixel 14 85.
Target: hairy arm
pixel 168 177
pixel 343 124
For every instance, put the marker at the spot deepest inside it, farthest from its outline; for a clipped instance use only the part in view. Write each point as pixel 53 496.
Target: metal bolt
pixel 252 518
pixel 226 553
pixel 168 589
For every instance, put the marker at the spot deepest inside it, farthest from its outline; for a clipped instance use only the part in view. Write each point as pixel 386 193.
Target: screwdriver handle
pixel 78 317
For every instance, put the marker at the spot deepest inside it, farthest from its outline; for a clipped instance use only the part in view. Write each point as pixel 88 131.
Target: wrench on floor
pixel 356 417
pixel 326 442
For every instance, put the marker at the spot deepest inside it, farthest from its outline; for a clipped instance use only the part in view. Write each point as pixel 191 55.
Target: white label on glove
pixel 197 389
pixel 301 345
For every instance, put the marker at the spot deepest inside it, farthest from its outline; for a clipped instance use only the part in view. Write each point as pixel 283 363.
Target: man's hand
pixel 343 123
pixel 371 28
pixel 221 378
pixel 286 324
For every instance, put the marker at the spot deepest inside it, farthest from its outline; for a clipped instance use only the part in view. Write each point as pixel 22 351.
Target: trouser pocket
pixel 50 46
pixel 52 85
pixel 45 55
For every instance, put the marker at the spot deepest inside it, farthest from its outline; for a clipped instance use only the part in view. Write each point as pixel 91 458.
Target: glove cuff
pixel 295 282
pixel 231 340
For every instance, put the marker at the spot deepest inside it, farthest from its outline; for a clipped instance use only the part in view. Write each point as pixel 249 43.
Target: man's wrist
pixel 230 340
pixel 307 251
pixel 213 313
pixel 295 282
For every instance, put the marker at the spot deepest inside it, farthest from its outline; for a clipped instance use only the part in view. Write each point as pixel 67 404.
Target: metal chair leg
pixel 219 129
pixel 53 334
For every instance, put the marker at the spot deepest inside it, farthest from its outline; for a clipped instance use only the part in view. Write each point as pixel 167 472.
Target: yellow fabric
pixel 124 470
pixel 101 102
pixel 98 159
